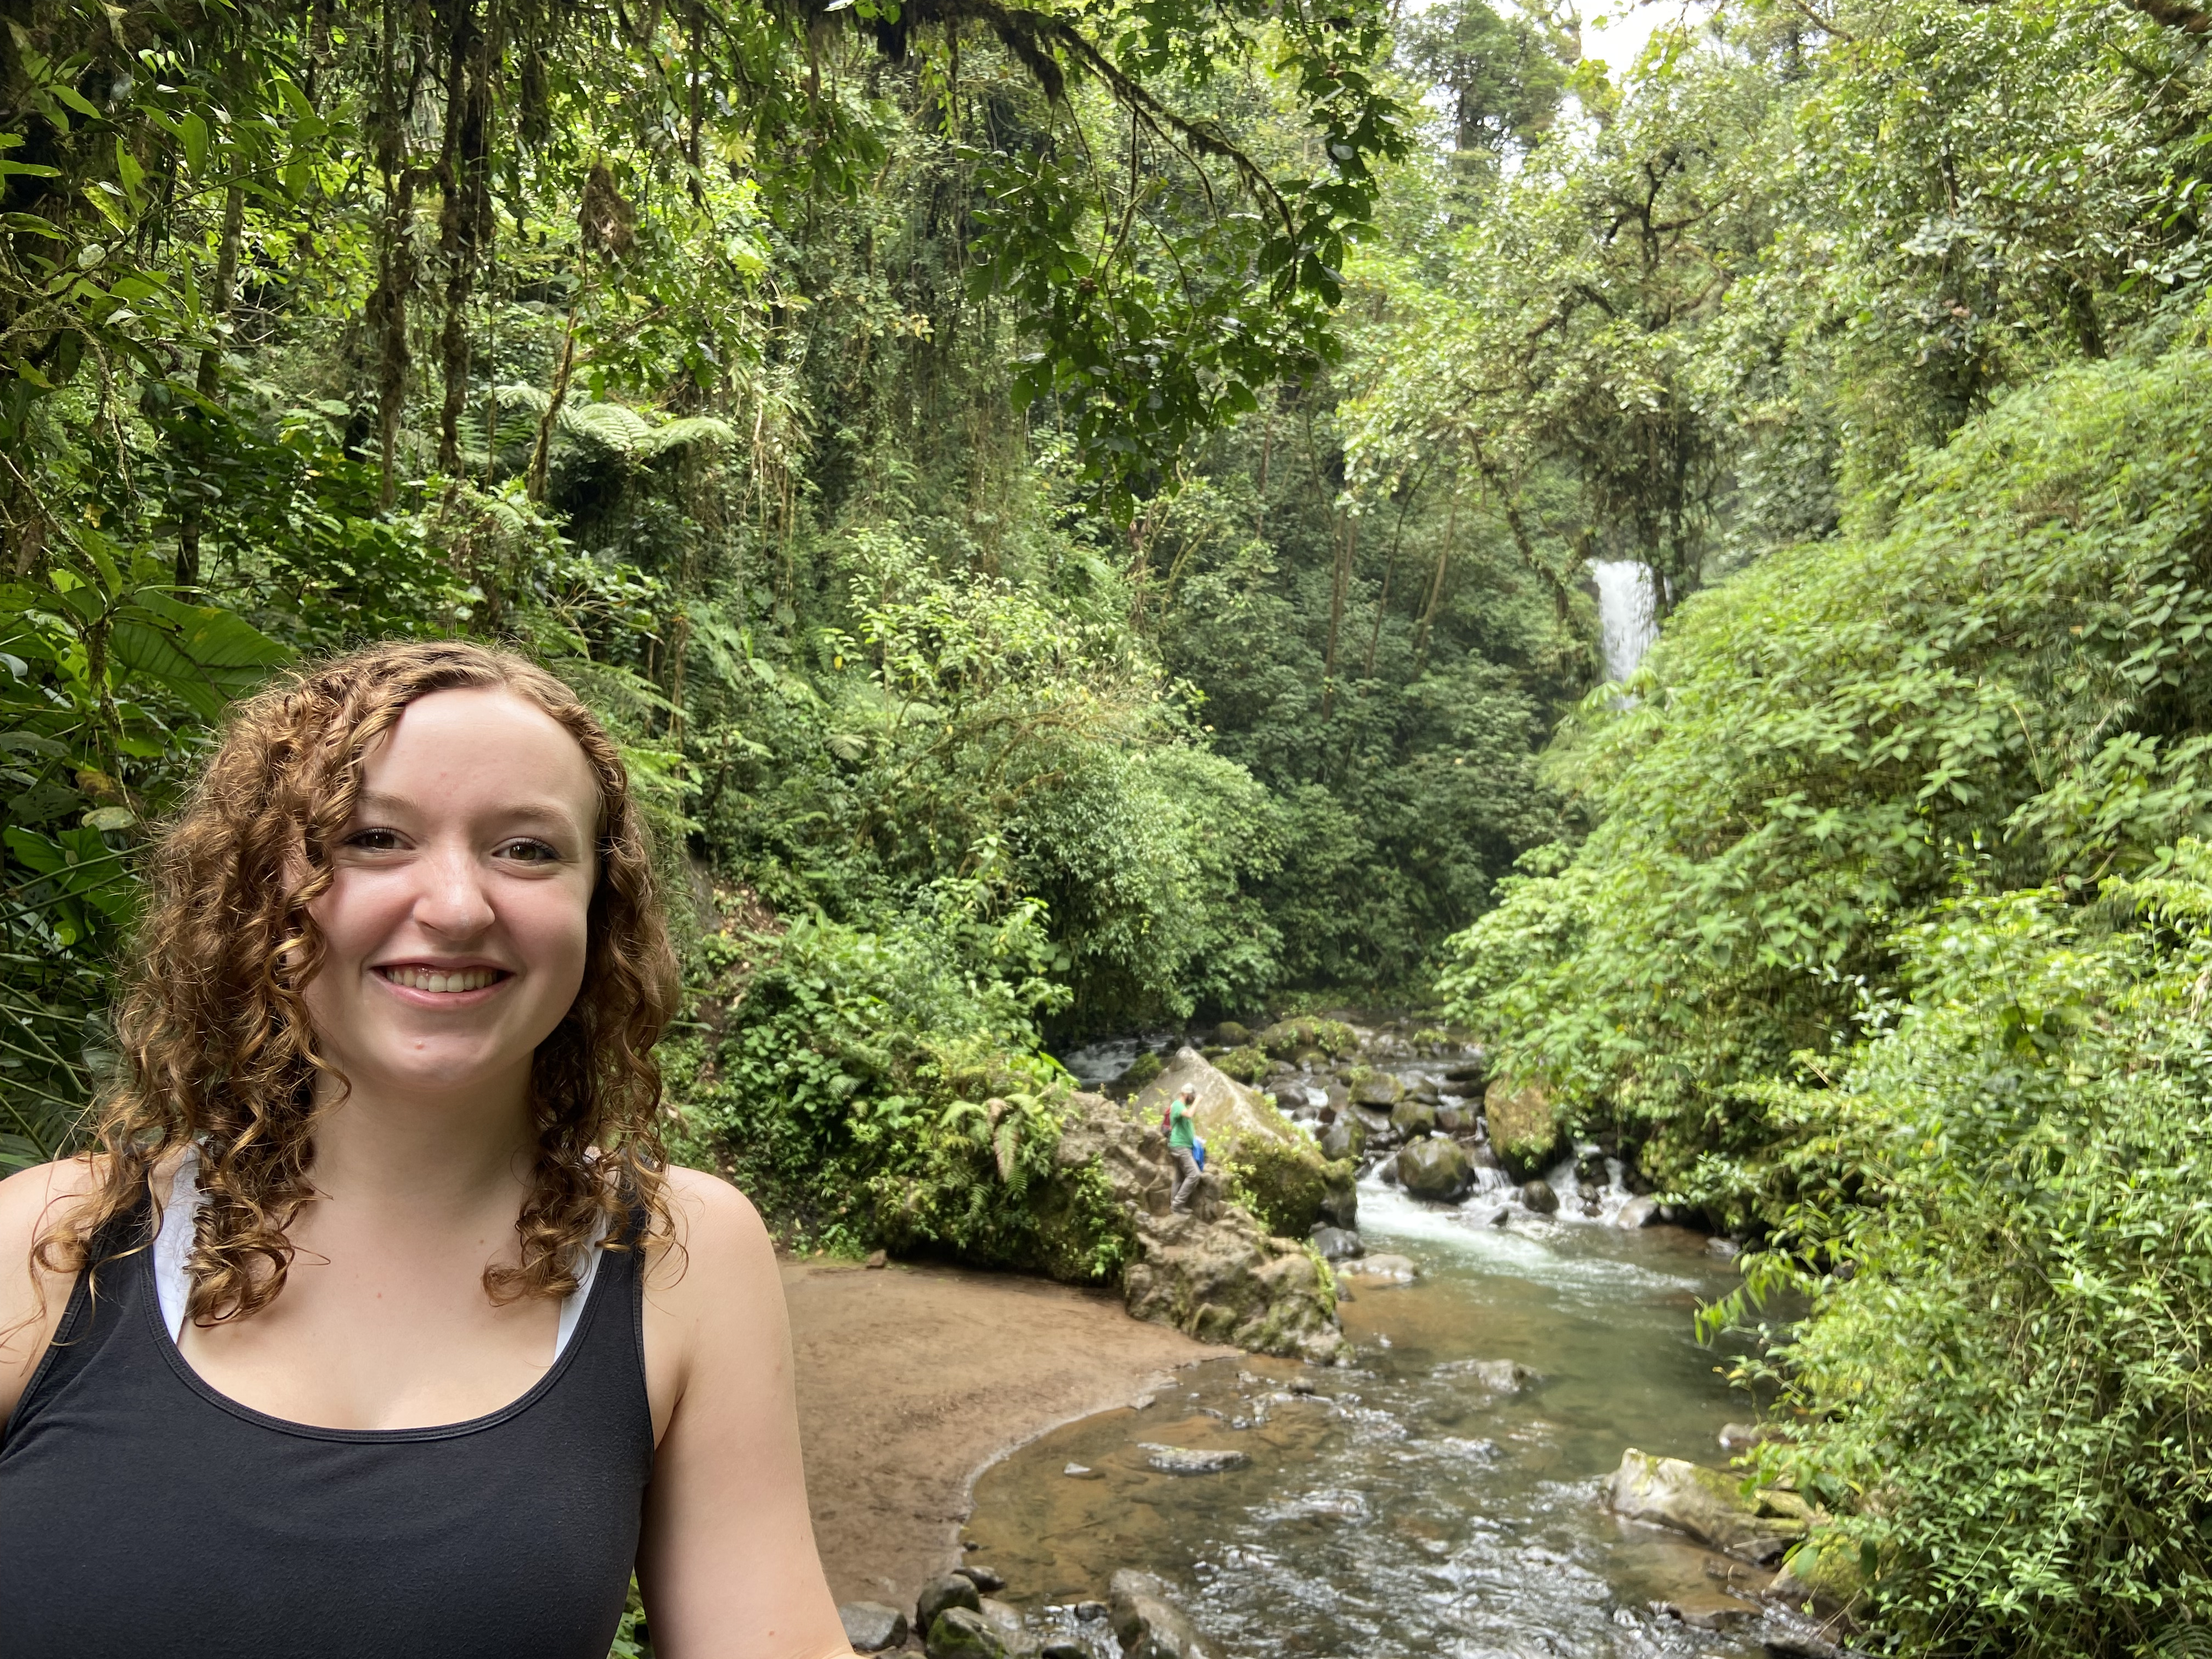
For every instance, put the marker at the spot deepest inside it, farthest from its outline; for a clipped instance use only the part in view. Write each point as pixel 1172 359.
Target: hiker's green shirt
pixel 1182 1134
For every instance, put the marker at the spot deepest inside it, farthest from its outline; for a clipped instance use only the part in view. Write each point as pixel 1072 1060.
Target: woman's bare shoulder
pixel 717 1237
pixel 33 1298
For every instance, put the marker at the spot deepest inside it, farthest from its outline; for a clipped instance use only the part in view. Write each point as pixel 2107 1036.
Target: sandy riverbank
pixel 911 1379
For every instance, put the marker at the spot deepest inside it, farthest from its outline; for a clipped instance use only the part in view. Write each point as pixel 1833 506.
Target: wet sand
pixel 911 1379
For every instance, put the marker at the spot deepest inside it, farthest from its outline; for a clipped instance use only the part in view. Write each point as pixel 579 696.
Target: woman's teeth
pixel 424 979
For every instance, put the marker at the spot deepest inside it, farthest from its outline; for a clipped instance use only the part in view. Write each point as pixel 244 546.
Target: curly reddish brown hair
pixel 219 1052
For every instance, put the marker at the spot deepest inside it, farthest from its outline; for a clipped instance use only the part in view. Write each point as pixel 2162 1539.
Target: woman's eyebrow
pixel 528 813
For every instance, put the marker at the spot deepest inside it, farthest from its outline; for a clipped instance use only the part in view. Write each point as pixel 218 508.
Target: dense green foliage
pixel 2007 1384
pixel 1879 335
pixel 873 409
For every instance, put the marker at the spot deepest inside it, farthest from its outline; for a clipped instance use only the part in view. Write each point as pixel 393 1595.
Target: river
pixel 1400 1508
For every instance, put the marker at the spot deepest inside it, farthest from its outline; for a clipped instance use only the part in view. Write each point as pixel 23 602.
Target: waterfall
pixel 1628 612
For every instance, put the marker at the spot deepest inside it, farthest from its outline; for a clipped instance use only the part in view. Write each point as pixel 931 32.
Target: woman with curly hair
pixel 376 1323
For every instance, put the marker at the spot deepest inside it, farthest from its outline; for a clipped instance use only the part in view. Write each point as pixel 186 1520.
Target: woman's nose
pixel 452 902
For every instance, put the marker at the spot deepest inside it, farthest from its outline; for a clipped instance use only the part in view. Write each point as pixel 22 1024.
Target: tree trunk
pixel 192 514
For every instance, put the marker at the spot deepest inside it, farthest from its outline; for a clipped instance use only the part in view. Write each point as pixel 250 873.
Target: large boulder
pixel 1270 1164
pixel 1522 1129
pixel 1225 1280
pixel 1708 1504
pixel 1436 1168
pixel 1147 1621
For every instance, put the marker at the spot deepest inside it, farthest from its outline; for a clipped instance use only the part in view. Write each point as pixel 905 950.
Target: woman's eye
pixel 527 851
pixel 373 840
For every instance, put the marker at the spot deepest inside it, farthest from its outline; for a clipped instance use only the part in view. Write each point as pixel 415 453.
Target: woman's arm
pixel 728 1564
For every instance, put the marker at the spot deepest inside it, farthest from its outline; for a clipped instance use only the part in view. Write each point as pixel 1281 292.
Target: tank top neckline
pixel 595 1295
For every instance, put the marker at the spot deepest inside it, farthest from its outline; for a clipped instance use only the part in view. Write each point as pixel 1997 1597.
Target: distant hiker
pixel 1183 1147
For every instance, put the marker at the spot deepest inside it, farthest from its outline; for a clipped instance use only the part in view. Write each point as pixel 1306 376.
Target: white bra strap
pixel 173 1248
pixel 172 1245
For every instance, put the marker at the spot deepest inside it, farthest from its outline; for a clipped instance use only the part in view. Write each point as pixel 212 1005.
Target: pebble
pixel 1191 1460
pixel 877 1259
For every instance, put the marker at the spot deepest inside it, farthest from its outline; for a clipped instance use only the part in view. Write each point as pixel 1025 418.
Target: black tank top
pixel 142 1513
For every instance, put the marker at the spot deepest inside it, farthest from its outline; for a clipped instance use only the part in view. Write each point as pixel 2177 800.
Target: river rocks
pixel 1191 1460
pixel 983 1578
pixel 1148 1623
pixel 1413 1117
pixel 1538 1196
pixel 1472 1075
pixel 870 1626
pixel 1346 1138
pixel 1376 1088
pixel 1453 1120
pixel 1705 1504
pixel 964 1633
pixel 1326 1039
pixel 1011 1628
pixel 1436 1168
pixel 1387 1170
pixel 1230 1035
pixel 1338 1243
pixel 947 1590
pixel 1142 1070
pixel 1637 1213
pixel 1520 1126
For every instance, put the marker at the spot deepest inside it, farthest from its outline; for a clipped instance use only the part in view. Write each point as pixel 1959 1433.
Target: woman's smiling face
pixel 455 923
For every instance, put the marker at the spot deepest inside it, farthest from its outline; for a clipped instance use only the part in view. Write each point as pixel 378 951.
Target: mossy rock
pixel 1828 1570
pixel 1413 1117
pixel 1331 1039
pixel 1289 1189
pixel 1230 1035
pixel 1247 1064
pixel 1379 1090
pixel 1523 1132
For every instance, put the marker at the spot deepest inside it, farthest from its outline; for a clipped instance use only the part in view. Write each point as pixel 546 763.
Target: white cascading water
pixel 1628 611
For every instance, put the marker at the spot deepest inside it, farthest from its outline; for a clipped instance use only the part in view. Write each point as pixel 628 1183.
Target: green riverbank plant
pixel 1997 1202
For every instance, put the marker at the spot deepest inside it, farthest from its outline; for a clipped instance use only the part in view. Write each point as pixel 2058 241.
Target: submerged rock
pixel 1148 1622
pixel 1637 1213
pixel 1504 1376
pixel 983 1578
pixel 1191 1460
pixel 871 1626
pixel 1394 1269
pixel 1709 1505
pixel 1436 1168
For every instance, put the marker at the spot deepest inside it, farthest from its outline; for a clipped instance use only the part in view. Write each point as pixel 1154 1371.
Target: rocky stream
pixel 1488 1468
